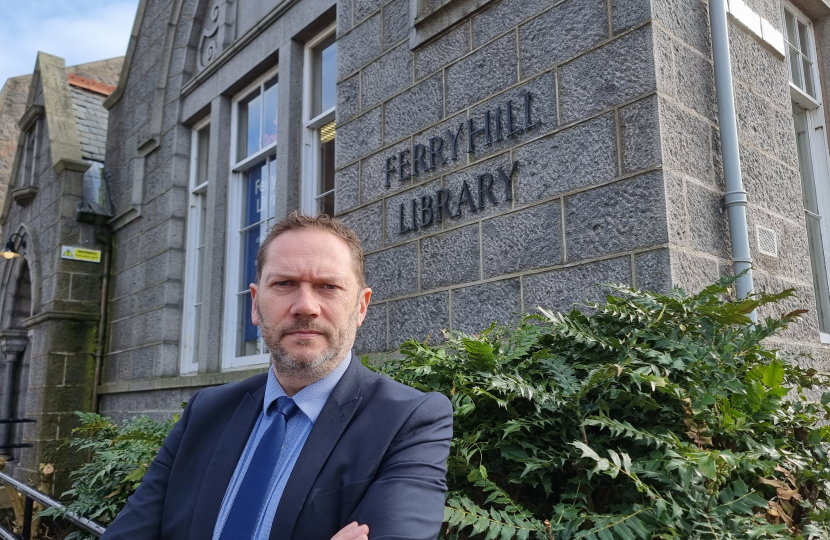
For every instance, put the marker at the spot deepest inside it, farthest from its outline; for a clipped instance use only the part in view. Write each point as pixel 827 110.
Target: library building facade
pixel 493 156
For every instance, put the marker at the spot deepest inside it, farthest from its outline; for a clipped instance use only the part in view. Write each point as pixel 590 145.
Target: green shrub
pixel 120 455
pixel 653 417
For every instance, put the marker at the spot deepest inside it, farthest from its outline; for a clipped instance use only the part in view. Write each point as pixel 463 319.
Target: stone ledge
pixel 69 164
pixel 170 383
pixel 60 316
pixel 24 195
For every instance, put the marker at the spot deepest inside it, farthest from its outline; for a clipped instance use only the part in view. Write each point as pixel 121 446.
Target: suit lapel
pixel 333 419
pixel 223 463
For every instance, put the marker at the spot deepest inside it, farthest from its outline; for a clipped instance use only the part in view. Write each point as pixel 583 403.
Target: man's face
pixel 308 303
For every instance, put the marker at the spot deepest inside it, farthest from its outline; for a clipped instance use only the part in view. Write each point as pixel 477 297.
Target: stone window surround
pixel 198 195
pixel 30 132
pixel 233 252
pixel 310 172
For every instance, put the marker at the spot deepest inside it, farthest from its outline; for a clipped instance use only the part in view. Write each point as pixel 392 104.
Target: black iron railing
pixel 31 496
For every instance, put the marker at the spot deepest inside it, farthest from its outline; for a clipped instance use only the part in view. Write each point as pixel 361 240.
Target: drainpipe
pixel 99 348
pixel 735 197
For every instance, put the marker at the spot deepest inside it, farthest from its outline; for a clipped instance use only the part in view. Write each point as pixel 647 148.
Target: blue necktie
pixel 252 494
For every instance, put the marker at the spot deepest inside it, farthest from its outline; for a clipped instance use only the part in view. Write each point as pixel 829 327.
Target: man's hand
pixel 353 531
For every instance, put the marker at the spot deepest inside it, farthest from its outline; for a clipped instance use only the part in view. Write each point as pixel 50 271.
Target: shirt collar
pixel 310 399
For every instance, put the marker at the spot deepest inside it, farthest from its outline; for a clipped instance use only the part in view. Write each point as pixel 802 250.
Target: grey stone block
pixel 561 33
pixel 483 73
pixel 686 19
pixel 455 184
pixel 562 290
pixel 771 184
pixel 358 138
pixel 757 67
pixel 692 273
pixel 414 109
pixel 522 240
pixel 542 115
pixel 363 8
pixel 344 16
pixel 476 308
pixel 626 215
pixel 386 76
pixel 640 127
pixel 347 187
pixel 504 15
pixel 418 318
pixel 397 222
pixel 373 174
pixel 653 270
pixel 358 47
pixel 687 147
pixel 451 258
pixel 573 158
pixel 393 272
pixel 440 130
pixel 395 22
pixel 707 223
pixel 371 336
pixel 613 74
pixel 367 222
pixel 348 99
pixel 695 80
pixel 442 51
pixel 676 212
pixel 807 329
pixel 627 14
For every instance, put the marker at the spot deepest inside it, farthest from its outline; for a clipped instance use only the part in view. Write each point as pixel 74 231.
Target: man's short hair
pixel 295 221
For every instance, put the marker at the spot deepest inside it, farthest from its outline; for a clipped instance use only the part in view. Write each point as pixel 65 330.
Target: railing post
pixel 27 519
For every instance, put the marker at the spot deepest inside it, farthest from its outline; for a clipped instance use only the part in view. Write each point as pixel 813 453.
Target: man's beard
pixel 307 366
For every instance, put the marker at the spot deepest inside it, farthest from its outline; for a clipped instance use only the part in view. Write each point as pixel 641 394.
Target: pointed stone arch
pixel 21 272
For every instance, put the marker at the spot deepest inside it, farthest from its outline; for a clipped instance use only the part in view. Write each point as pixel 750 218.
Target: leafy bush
pixel 654 417
pixel 120 455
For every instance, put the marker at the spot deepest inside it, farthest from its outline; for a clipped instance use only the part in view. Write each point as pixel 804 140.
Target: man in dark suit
pixel 319 447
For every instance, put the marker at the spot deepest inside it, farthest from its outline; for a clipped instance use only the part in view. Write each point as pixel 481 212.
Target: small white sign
pixel 80 254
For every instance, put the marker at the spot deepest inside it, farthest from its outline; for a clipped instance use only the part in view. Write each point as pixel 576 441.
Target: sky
pixel 79 31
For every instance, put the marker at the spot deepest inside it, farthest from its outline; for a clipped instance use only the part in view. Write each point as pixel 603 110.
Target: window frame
pixel 797 94
pixel 310 168
pixel 30 155
pixel 197 194
pixel 817 139
pixel 231 361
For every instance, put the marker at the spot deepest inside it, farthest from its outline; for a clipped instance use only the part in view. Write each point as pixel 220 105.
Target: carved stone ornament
pixel 217 31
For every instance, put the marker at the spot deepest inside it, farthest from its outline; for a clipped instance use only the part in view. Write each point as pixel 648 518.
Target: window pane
pixel 795 68
pixel 269 125
pixel 253 195
pixel 250 119
pixel 202 155
pixel 809 87
pixel 802 37
pixel 790 23
pixel 324 76
pixel 805 160
pixel 272 182
pixel 248 341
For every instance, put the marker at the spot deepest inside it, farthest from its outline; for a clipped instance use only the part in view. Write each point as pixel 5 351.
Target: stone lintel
pixel 24 195
pixel 167 383
pixel 13 340
pixel 34 112
pixel 46 316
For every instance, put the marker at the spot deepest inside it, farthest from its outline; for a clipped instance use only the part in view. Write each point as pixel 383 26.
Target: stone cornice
pixel 46 316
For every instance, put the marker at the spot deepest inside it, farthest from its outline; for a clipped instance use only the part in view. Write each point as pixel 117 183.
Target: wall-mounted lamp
pixel 9 251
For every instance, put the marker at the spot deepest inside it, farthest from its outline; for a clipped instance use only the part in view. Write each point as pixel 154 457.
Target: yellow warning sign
pixel 80 254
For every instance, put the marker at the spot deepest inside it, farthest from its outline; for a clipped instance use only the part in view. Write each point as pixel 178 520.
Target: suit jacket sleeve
pixel 406 500
pixel 141 517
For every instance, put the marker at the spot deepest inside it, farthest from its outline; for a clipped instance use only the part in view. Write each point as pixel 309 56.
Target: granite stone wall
pixel 577 199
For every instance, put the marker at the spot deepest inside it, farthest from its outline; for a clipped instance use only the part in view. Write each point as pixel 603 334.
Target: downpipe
pixel 734 198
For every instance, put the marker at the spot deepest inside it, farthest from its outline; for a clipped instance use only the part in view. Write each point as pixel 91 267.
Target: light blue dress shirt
pixel 310 401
